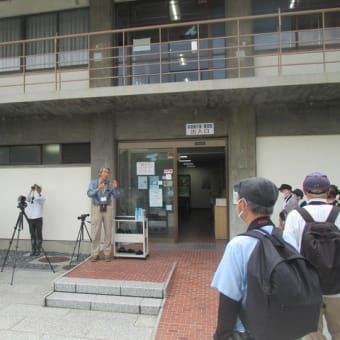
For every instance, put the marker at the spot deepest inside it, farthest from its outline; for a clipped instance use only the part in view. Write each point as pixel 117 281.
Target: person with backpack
pixel 267 289
pixel 315 230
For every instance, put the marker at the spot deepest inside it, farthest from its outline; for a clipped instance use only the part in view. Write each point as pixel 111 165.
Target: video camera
pixel 83 216
pixel 22 204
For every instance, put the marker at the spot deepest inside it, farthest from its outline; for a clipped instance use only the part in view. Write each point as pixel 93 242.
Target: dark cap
pixel 258 190
pixel 285 187
pixel 298 192
pixel 316 183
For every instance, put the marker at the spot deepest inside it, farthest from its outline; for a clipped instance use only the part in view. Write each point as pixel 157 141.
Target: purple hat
pixel 316 183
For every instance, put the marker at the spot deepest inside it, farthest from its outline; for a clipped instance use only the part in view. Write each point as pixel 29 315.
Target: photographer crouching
pixel 35 201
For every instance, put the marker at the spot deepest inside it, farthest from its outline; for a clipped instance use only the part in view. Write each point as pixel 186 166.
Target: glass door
pixel 147 178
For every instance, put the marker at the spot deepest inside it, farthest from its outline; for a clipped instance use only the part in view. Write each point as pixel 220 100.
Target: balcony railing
pixel 253 46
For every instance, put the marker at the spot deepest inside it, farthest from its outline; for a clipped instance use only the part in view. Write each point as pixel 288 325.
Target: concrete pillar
pixel 242 156
pixel 238 42
pixel 101 54
pixel 102 143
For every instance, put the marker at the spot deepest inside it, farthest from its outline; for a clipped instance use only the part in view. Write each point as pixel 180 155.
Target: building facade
pixel 180 99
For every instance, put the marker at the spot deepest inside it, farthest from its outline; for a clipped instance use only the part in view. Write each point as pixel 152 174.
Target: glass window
pixel 73 51
pixel 41 54
pixel 76 153
pixel 51 153
pixel 4 155
pixel 10 30
pixel 147 176
pixel 25 154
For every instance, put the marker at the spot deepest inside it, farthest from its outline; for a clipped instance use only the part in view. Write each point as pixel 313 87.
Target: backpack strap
pixel 333 214
pixel 275 236
pixel 308 218
pixel 305 214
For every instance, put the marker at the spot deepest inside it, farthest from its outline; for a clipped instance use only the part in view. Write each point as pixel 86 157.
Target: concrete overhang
pixel 300 89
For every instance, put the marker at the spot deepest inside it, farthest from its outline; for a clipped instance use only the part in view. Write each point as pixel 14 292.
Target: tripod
pixel 18 227
pixel 80 236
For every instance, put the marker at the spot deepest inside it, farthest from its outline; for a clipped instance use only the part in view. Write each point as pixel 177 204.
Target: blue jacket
pixel 102 197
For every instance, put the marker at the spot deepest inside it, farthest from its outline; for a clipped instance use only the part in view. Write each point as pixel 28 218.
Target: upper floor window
pixel 46 53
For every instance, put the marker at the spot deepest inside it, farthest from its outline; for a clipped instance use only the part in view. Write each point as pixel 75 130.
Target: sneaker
pixel 94 258
pixel 107 258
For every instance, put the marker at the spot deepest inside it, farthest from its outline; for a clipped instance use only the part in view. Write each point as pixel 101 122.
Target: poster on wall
pixel 145 168
pixel 142 182
pixel 155 197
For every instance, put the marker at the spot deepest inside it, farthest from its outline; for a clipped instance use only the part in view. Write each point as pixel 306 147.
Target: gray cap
pixel 316 183
pixel 258 190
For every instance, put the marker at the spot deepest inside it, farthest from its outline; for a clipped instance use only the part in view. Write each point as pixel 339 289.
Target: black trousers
pixel 36 230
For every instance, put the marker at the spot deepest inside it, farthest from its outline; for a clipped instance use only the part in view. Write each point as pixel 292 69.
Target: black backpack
pixel 321 246
pixel 283 290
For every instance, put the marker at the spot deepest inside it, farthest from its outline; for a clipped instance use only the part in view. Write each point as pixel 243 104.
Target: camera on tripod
pixel 22 204
pixel 83 216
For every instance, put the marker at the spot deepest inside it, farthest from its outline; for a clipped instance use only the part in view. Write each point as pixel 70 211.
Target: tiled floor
pixel 191 306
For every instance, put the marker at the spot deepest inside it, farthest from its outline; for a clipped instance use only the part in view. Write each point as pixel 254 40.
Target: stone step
pixel 111 287
pixel 107 303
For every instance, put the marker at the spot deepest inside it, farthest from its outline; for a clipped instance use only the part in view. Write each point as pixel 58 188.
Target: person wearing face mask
pixel 254 198
pixel 289 203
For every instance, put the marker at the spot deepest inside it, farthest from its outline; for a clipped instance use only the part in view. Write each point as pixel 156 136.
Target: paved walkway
pixel 190 310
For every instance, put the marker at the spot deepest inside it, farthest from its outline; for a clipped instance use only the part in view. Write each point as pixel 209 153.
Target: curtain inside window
pixel 73 51
pixel 41 54
pixel 10 53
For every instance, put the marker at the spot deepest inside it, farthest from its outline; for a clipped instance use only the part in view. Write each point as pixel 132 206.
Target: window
pixel 70 153
pixel 25 154
pixel 51 154
pixel 10 30
pixel 76 153
pixel 43 54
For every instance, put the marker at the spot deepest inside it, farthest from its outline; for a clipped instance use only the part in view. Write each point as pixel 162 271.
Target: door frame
pixel 174 144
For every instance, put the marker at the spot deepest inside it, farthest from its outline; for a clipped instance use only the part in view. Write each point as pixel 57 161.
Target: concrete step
pixel 111 287
pixel 107 303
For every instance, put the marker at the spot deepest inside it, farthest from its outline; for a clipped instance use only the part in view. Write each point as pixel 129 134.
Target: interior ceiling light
pixel 183 156
pixel 174 10
pixel 184 160
pixel 292 4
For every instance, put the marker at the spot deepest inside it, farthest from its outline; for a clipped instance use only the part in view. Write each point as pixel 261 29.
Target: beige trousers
pixel 97 219
pixel 331 311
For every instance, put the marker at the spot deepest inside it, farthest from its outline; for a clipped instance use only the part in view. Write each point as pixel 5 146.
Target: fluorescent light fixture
pixel 174 10
pixel 292 4
pixel 183 156
pixel 182 60
pixel 185 160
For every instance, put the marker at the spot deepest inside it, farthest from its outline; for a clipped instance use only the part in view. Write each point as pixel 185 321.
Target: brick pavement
pixel 190 310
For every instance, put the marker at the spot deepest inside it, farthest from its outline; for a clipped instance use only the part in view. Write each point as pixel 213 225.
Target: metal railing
pixel 253 46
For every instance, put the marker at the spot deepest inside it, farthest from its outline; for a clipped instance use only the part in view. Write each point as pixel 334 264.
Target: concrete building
pixel 179 98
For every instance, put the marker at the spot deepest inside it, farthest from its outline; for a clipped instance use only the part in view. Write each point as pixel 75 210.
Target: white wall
pixel 65 190
pixel 289 159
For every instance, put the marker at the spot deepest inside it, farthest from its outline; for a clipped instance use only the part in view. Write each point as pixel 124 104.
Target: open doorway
pixel 201 179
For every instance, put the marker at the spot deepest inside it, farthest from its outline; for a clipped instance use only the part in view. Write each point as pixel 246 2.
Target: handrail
pixel 233 54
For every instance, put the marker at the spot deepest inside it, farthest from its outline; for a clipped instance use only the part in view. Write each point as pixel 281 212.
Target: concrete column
pixel 102 143
pixel 238 43
pixel 242 156
pixel 102 61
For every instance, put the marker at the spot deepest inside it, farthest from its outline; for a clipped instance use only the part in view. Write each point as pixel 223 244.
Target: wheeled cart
pixel 130 237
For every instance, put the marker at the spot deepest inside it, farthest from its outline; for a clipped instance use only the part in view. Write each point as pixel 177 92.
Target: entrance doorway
pixel 151 175
pixel 201 179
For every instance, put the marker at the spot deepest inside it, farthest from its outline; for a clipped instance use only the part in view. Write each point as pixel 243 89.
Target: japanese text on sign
pixel 194 129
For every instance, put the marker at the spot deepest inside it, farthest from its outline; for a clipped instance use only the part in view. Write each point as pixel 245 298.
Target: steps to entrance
pixel 135 297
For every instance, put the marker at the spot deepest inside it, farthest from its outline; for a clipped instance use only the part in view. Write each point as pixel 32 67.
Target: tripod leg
pixel 75 245
pixel 48 260
pixel 88 234
pixel 15 254
pixel 10 244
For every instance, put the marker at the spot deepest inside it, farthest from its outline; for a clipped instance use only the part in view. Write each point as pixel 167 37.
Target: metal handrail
pixel 238 54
